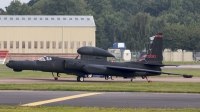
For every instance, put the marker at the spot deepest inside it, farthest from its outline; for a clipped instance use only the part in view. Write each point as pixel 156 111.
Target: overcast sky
pixel 4 3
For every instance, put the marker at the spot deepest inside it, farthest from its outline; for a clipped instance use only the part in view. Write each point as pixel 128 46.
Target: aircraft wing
pixel 147 70
pixel 161 65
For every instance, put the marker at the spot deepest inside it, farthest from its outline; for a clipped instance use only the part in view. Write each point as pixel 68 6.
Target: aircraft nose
pixel 9 64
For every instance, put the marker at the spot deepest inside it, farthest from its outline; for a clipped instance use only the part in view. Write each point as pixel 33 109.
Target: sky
pixel 4 3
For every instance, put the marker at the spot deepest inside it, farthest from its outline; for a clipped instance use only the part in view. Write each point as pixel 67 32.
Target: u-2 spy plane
pixel 94 61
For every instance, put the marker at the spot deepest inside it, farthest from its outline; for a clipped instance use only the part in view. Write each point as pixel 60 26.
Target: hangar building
pixel 33 36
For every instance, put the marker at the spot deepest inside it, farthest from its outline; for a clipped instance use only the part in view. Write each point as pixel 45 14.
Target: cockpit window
pixel 45 58
pixel 41 59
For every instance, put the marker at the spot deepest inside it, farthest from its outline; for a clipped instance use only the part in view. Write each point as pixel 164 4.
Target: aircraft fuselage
pixel 81 67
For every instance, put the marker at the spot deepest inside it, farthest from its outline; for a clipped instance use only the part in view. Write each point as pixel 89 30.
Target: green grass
pixel 28 74
pixel 182 63
pixel 88 109
pixel 194 72
pixel 160 87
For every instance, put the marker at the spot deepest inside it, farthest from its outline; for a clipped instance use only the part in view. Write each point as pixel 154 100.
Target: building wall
pixel 61 39
pixel 177 56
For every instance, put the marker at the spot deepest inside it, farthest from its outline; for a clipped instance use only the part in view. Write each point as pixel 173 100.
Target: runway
pixel 100 99
pixel 73 80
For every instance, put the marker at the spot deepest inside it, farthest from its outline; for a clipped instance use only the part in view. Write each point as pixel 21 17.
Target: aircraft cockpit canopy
pixel 45 58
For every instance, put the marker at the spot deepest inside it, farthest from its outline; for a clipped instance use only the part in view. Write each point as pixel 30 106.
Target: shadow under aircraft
pixel 94 61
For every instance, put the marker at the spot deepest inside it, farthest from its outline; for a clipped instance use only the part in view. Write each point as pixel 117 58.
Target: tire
pixel 80 78
pixel 89 76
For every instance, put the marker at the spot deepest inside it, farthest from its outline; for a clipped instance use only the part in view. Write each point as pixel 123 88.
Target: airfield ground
pixel 30 80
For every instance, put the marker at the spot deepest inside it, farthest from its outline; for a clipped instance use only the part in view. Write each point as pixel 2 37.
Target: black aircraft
pixel 94 61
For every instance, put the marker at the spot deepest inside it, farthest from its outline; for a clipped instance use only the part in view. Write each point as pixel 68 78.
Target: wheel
pixel 143 77
pixel 89 76
pixel 131 80
pixel 56 78
pixel 80 78
pixel 106 77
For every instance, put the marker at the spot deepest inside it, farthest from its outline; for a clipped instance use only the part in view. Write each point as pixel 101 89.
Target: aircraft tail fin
pixel 154 54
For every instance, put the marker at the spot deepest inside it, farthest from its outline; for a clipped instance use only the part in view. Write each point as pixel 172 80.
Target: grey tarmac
pixel 104 99
pixel 73 80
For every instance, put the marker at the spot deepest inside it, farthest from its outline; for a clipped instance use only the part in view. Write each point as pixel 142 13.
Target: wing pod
pixel 94 51
pixel 187 76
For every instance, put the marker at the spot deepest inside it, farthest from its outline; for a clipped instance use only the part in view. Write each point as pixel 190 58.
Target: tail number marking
pixel 151 56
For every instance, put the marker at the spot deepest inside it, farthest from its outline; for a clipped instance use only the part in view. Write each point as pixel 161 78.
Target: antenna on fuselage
pixel 77 57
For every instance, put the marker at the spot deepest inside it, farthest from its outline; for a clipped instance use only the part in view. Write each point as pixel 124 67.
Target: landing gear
pixel 131 80
pixel 149 81
pixel 145 77
pixel 80 79
pixel 108 77
pixel 89 75
pixel 56 78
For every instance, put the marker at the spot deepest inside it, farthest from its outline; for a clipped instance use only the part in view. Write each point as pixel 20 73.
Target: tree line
pixel 129 21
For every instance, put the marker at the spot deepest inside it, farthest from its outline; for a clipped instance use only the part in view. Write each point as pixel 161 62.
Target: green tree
pixel 137 33
pixel 17 8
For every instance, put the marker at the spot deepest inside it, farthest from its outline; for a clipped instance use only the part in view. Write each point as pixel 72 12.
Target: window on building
pixel 64 18
pixel 5 44
pixel 52 18
pixel 41 44
pixel 78 44
pixel 29 44
pixel 23 44
pixel 66 44
pixel 11 18
pixel 47 44
pixel 70 18
pixel 40 18
pixel 23 18
pixel 90 43
pixel 72 45
pixel 60 45
pixel 5 18
pixel 53 44
pixel 11 44
pixel 35 44
pixel 84 43
pixel 46 19
pixel 35 18
pixel 17 44
pixel 58 18
pixel 29 18
pixel 76 18
pixel 82 18
pixel 88 18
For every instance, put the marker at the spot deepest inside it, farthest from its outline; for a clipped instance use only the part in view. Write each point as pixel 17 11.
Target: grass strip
pixel 159 87
pixel 28 74
pixel 88 109
pixel 181 63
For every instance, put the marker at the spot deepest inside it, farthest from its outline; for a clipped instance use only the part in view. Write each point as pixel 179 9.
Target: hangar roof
pixel 46 20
